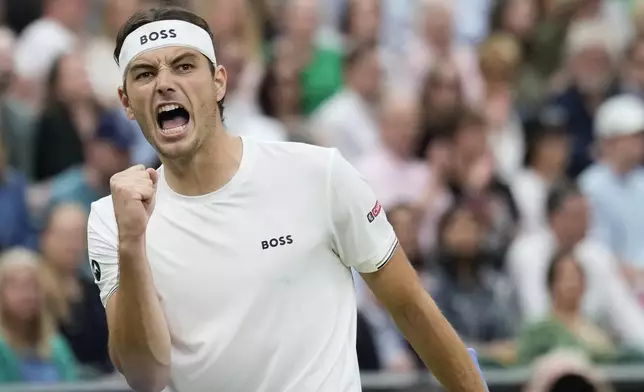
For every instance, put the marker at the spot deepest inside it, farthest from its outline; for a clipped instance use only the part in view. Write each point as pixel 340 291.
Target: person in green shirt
pixel 566 326
pixel 30 349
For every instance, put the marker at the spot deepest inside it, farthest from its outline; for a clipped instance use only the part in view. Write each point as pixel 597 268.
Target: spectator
pixel 391 169
pixel 347 121
pixel 591 67
pixel 477 300
pixel 500 59
pixel 16 228
pixel 361 21
pixel 633 67
pixel 69 118
pixel 74 299
pixel 54 34
pixel 608 299
pixel 30 348
pixel 614 184
pixel 566 326
pixel 320 63
pixel 545 163
pixel 471 178
pixel 107 154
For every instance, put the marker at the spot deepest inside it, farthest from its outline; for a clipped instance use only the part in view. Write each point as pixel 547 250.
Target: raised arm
pixel 139 343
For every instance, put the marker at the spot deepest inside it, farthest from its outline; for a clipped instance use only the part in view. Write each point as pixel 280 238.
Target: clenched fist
pixel 133 196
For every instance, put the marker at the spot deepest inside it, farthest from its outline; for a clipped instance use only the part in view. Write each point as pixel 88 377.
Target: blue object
pixel 475 358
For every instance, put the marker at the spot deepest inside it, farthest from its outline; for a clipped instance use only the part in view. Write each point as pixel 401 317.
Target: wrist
pixel 131 246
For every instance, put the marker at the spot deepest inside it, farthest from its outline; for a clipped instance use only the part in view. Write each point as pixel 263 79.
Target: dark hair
pixel 558 196
pixel 558 258
pixel 357 51
pixel 572 382
pixel 141 18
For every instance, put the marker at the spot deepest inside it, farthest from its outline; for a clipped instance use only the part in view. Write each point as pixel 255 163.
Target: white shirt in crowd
pixel 255 279
pixel 607 300
pixel 39 45
pixel 530 192
pixel 346 122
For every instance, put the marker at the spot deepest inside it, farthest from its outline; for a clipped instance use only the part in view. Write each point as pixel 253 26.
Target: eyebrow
pixel 182 57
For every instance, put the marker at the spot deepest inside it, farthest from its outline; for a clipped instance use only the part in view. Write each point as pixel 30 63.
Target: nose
pixel 164 82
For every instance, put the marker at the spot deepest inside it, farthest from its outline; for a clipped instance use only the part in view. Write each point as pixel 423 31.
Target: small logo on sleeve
pixel 375 211
pixel 96 270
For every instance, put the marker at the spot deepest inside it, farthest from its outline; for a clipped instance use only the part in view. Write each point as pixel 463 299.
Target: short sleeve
pixel 102 243
pixel 362 235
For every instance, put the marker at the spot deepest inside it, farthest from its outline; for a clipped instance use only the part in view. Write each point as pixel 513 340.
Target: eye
pixel 185 67
pixel 143 75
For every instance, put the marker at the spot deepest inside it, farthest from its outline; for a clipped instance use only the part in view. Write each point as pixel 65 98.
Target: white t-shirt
pixel 254 278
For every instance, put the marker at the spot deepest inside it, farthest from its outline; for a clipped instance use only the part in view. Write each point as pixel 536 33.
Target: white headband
pixel 162 34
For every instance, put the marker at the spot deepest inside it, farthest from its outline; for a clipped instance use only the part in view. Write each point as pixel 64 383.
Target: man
pixel 228 268
pixel 607 300
pixel 615 184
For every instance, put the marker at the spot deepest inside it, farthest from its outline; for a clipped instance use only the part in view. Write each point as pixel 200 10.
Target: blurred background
pixel 505 138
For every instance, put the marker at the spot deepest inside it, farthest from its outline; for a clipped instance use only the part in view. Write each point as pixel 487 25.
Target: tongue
pixel 174 122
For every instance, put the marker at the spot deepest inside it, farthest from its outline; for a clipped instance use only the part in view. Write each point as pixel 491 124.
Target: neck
pixel 21 333
pixel 563 241
pixel 549 174
pixel 209 169
pixel 567 314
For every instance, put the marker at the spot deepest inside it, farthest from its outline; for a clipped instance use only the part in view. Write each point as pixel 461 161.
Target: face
pixel 438 25
pixel 366 74
pixel 635 68
pixel 63 242
pixel 444 90
pixel 365 20
pixel 302 18
pixel 118 12
pixel 554 151
pixel 520 17
pixel 568 285
pixel 629 149
pixel 463 234
pixel 573 219
pixel 470 142
pixel 399 126
pixel 107 159
pixel 21 293
pixel 173 95
pixel 592 70
pixel 73 82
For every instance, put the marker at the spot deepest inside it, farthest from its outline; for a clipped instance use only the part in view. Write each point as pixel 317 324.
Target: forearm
pixel 139 339
pixel 438 345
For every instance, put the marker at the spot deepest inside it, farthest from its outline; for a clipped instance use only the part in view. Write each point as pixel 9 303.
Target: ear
pixel 125 101
pixel 221 78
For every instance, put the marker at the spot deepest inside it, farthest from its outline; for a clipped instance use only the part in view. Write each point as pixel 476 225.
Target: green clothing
pixel 61 357
pixel 550 334
pixel 321 78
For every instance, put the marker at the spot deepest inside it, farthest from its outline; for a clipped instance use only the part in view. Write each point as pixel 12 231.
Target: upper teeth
pixel 168 107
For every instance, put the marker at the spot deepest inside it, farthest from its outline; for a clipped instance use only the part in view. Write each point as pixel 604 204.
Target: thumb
pixel 154 176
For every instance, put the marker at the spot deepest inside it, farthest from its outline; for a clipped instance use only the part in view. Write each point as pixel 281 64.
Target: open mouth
pixel 172 118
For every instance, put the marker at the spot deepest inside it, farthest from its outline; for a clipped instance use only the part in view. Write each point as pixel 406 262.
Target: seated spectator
pixel 591 67
pixel 30 348
pixel 392 170
pixel 16 228
pixel 348 120
pixel 107 154
pixel 566 326
pixel 478 301
pixel 472 178
pixel 615 184
pixel 75 300
pixel 608 299
pixel 545 164
pixel 69 118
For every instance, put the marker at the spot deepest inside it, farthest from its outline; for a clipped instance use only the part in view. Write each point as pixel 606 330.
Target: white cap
pixel 620 116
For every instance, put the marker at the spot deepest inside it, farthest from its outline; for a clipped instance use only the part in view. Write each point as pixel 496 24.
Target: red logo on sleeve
pixel 375 211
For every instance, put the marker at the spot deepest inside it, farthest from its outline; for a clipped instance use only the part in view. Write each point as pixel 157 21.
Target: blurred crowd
pixel 505 139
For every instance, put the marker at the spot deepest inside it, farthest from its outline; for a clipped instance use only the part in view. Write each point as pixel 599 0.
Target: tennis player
pixel 228 268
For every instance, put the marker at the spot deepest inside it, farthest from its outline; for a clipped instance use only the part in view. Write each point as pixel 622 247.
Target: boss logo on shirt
pixel 375 211
pixel 275 242
pixel 155 35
